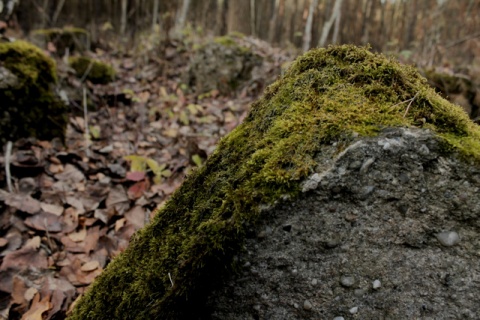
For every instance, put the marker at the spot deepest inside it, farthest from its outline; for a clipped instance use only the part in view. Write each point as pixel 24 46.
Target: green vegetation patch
pixel 325 96
pixel 93 70
pixel 30 108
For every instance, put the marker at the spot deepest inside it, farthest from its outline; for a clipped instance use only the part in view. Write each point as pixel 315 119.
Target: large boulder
pixel 29 105
pixel 348 191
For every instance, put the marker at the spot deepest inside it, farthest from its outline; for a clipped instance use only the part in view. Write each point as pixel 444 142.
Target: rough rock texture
pixel 386 229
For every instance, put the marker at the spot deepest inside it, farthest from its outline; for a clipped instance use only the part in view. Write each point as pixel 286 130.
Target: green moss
pixel 30 108
pixel 94 70
pixel 325 95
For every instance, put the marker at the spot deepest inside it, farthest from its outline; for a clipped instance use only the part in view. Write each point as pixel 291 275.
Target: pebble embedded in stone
pixel 295 305
pixel 339 318
pixel 307 305
pixel 347 281
pixel 353 310
pixel 314 282
pixel 377 284
pixel 448 238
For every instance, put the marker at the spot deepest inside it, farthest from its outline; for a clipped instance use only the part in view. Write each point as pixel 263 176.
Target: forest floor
pixel 66 210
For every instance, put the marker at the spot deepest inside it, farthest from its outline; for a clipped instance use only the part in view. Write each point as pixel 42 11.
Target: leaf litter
pixel 75 206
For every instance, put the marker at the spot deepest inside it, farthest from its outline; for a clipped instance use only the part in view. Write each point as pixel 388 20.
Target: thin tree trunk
pixel 307 36
pixel 336 28
pixel 155 14
pixel 123 17
pixel 180 23
pixel 328 25
pixel 252 18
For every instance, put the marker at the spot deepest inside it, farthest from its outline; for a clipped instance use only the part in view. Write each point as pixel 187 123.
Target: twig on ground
pixel 7 166
pixel 408 107
pixel 85 115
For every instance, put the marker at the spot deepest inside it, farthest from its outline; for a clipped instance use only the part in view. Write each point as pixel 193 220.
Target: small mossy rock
pixel 73 39
pixel 326 97
pixel 222 64
pixel 30 107
pixel 93 70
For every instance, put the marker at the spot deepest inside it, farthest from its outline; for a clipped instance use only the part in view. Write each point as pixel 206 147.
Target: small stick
pixel 170 277
pixel 85 115
pixel 408 107
pixel 7 165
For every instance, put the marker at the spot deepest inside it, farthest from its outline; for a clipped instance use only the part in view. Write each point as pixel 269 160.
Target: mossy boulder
pixel 224 64
pixel 73 39
pixel 30 107
pixel 93 70
pixel 327 97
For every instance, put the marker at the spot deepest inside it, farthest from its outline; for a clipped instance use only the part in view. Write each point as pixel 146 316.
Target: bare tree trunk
pixel 252 17
pixel 155 14
pixel 273 22
pixel 328 25
pixel 180 23
pixel 45 18
pixel 307 35
pixel 123 17
pixel 336 28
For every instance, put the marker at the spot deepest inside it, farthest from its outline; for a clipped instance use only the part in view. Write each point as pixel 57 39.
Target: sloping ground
pixel 386 229
pixel 73 208
pixel 326 97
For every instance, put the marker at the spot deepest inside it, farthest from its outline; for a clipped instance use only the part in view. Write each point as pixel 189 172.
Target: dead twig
pixel 7 165
pixel 85 115
pixel 408 107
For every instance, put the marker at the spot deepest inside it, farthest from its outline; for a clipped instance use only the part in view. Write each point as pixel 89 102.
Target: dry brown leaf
pixel 120 223
pixel 136 217
pixel 90 266
pixel 33 243
pixel 55 168
pixel 52 208
pixel 77 204
pixel 23 203
pixel 3 242
pixel 45 222
pixel 38 308
pixel 24 258
pixel 70 174
pixel 78 236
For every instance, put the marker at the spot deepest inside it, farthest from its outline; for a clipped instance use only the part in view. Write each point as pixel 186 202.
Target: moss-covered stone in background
pixel 222 64
pixel 326 96
pixel 73 39
pixel 29 105
pixel 93 70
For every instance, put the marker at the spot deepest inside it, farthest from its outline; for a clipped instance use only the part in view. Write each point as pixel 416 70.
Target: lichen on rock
pixel 327 97
pixel 30 107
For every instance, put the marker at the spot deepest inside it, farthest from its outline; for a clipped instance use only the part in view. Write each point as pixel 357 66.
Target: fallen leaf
pixel 78 236
pixel 45 222
pixel 90 266
pixel 24 258
pixel 120 223
pixel 38 308
pixel 138 189
pixel 52 208
pixel 3 242
pixel 136 217
pixel 23 203
pixel 135 176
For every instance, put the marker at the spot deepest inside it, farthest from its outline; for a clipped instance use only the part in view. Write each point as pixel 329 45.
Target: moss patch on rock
pixel 327 95
pixel 30 107
pixel 73 39
pixel 93 70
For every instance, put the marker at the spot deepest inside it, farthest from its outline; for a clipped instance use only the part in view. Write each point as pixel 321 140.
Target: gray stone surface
pixel 388 228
